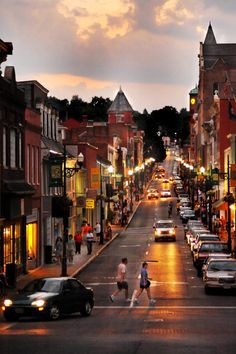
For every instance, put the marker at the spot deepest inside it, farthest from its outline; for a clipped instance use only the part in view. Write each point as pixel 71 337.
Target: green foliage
pixel 77 108
pixel 166 121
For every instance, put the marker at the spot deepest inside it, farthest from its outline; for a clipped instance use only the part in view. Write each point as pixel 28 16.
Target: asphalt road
pixel 184 319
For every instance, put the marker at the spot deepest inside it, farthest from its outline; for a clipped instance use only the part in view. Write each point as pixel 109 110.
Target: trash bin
pixel 11 274
pixel 48 254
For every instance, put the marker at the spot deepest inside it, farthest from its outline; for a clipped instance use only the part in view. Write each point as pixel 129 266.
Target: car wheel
pixel 54 312
pixel 87 309
pixel 11 317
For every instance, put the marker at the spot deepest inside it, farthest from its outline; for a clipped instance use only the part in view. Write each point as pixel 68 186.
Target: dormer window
pixel 119 118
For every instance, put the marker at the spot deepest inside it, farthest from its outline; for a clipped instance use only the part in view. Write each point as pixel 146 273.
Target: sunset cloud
pixel 90 48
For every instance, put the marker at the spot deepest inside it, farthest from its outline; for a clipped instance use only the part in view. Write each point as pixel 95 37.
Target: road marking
pixel 96 284
pixel 130 246
pixel 168 307
pixel 155 320
pixel 6 327
pixel 169 282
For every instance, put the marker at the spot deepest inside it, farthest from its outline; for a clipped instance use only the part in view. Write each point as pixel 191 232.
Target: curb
pixel 90 260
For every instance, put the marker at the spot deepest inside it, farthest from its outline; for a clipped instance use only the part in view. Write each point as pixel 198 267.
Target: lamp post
pixel 110 171
pixel 68 172
pixel 130 173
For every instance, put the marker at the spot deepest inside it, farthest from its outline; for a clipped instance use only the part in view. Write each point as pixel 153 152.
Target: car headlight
pixel 7 302
pixel 38 303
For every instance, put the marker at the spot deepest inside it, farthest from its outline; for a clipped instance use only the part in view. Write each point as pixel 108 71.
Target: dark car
pixel 49 298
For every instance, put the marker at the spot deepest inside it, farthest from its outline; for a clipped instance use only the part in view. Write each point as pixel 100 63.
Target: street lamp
pixel 130 173
pixel 110 171
pixel 68 172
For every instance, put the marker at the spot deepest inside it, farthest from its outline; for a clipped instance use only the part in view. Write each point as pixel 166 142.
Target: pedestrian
pixel 97 230
pixel 78 242
pixel 59 249
pixel 144 284
pixel 87 232
pixel 121 279
pixel 170 206
pixel 3 282
pixel 108 232
pixel 70 249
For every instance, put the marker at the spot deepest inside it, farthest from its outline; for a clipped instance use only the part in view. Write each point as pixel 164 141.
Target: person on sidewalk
pixel 144 284
pixel 108 233
pixel 59 249
pixel 88 231
pixel 97 230
pixel 70 249
pixel 78 242
pixel 122 283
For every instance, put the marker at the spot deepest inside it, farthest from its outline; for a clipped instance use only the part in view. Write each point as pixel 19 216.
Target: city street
pixel 183 320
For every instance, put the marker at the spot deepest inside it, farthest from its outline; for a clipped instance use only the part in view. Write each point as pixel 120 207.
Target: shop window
pixel 31 237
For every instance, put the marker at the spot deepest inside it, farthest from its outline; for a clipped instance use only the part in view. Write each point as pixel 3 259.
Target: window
pixel 33 164
pixel 4 147
pixel 28 164
pixel 12 148
pixel 20 149
pixel 37 165
pixel 215 87
pixel 119 118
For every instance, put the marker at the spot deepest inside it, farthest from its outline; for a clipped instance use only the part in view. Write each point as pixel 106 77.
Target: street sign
pixel 90 204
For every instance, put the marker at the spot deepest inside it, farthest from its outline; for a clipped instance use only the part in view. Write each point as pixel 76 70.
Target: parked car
pixel 220 274
pixel 164 193
pixel 213 256
pixel 49 298
pixel 188 215
pixel 164 230
pixel 206 249
pixel 190 224
pixel 203 237
pixel 195 231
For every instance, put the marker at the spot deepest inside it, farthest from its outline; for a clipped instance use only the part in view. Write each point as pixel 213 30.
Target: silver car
pixel 220 273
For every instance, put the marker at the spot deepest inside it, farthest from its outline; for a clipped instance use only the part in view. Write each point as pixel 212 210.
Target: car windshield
pixel 221 265
pixel 164 225
pixel 218 247
pixel 45 285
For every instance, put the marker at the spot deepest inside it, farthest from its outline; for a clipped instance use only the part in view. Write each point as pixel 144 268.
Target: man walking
pixel 144 284
pixel 98 231
pixel 122 283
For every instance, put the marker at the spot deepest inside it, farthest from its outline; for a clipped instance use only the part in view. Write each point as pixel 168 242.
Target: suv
pixel 207 249
pixel 152 193
pixel 164 230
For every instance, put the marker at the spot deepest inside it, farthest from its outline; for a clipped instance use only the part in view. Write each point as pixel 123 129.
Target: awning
pixel 102 161
pixel 18 187
pixel 52 146
pixel 220 204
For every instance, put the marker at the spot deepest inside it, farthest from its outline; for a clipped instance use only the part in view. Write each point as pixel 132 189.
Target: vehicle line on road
pixel 126 246
pixel 167 307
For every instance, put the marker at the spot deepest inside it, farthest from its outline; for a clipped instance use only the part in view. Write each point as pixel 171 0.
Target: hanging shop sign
pixel 55 172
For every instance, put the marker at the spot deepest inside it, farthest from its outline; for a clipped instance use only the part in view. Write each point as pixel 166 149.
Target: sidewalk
pixel 80 261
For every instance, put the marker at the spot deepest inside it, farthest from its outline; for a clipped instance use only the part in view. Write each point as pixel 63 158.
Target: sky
pixel 90 48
